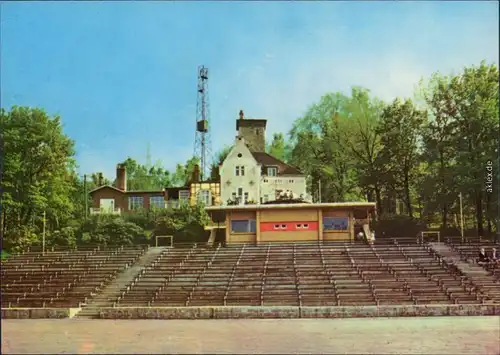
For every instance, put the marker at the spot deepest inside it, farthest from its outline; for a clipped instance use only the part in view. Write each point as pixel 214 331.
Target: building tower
pixel 202 143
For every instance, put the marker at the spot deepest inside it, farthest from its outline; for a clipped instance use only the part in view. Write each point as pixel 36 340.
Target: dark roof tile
pixel 268 160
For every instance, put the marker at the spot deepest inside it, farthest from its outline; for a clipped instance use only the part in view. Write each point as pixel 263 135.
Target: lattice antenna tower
pixel 203 143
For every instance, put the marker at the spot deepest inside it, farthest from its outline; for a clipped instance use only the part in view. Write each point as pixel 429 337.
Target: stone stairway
pixel 452 257
pixel 111 292
pixel 487 283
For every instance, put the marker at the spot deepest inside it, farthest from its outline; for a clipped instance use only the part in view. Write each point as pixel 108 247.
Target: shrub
pixel 397 226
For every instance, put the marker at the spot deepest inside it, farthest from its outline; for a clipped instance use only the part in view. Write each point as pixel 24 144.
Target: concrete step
pixel 112 291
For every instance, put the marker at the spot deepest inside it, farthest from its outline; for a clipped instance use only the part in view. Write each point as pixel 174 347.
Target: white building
pixel 249 175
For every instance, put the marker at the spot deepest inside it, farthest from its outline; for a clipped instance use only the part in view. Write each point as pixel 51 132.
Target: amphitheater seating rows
pixel 308 274
pixel 489 286
pixel 61 278
pixel 302 274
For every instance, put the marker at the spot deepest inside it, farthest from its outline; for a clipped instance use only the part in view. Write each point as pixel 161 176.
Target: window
pixel 239 170
pixel 233 195
pixel 204 197
pixel 335 223
pixel 243 226
pixel 279 181
pixel 272 171
pixel 135 202
pixel 283 226
pixel 290 181
pixel 265 180
pixel 183 195
pixel 156 202
pixel 266 198
pixel 246 197
pixel 299 226
pixel 276 226
pixel 240 155
pixel 305 226
pixel 240 191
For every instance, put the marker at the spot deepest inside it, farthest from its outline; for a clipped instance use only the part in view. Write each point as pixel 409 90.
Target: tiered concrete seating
pixel 453 285
pixel 316 285
pixel 308 274
pixel 486 285
pixel 350 286
pixel 246 281
pixel 152 280
pixel 181 283
pixel 381 275
pixel 213 284
pixel 61 278
pixel 279 283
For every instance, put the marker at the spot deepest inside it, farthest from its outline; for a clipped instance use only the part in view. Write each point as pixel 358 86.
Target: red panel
pixel 288 226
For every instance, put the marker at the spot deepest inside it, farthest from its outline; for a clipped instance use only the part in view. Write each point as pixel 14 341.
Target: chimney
pixel 196 173
pixel 242 115
pixel 217 172
pixel 100 179
pixel 121 177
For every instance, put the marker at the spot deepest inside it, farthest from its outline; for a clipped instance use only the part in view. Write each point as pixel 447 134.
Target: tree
pixel 399 132
pixel 474 101
pixel 362 140
pixel 184 173
pixel 142 177
pixel 461 143
pixel 185 224
pixel 321 151
pixel 38 172
pixel 110 230
pixel 219 159
pixel 279 148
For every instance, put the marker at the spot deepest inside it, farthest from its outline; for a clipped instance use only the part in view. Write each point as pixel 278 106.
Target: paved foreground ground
pixel 447 335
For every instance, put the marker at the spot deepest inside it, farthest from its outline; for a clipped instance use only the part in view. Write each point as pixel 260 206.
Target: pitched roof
pixel 268 160
pixel 108 186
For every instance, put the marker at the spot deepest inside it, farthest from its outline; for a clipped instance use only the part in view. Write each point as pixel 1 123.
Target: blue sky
pixel 122 75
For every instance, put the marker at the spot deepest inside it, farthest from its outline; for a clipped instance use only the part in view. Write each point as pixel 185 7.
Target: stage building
pixel 290 222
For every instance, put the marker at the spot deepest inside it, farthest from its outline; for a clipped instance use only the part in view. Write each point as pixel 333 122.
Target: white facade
pixel 270 184
pixel 240 174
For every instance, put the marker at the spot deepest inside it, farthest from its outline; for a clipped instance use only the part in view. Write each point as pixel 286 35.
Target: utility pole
pixel 319 190
pixel 85 195
pixel 43 232
pixel 461 217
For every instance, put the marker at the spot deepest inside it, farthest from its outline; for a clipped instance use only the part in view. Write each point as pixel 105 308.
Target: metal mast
pixel 203 144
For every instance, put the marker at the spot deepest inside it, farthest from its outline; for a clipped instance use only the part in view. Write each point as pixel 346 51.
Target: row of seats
pixel 489 284
pixel 61 278
pixel 301 274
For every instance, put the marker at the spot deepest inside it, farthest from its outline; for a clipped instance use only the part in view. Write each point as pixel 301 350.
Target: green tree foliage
pixel 460 141
pixel 150 178
pixel 38 174
pixel 104 230
pixel 185 224
pixel 399 128
pixel 279 147
pixel 411 160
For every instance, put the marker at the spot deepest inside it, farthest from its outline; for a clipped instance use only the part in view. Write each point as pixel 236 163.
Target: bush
pixel 112 231
pixel 186 224
pixel 397 226
pixel 66 237
pixel 20 238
